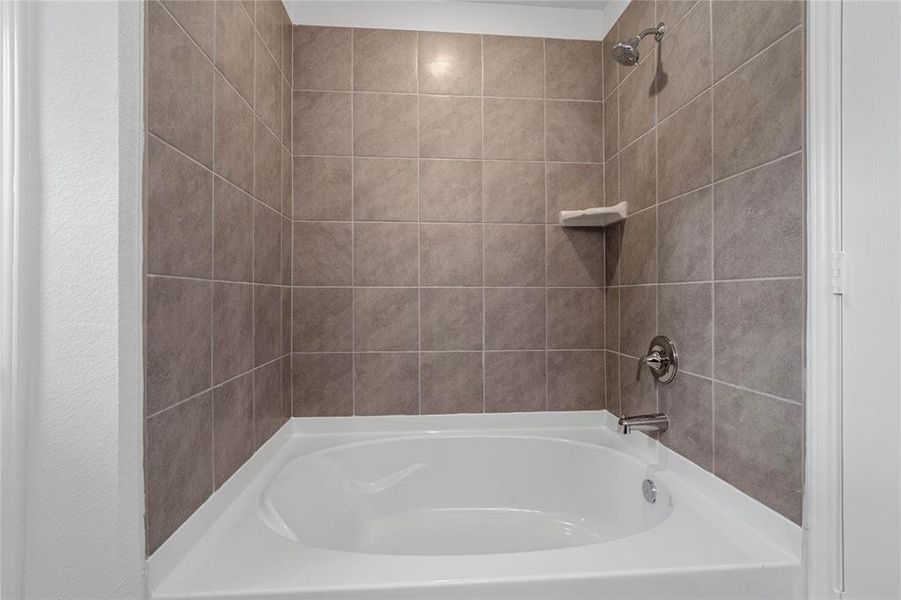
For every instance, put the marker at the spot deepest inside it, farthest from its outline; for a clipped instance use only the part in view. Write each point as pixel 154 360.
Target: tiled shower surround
pixel 363 222
pixel 217 232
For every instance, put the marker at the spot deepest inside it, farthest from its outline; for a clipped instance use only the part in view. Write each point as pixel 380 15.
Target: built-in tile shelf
pixel 599 216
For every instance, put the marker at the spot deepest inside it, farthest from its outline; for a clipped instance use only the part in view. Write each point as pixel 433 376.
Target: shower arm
pixel 657 31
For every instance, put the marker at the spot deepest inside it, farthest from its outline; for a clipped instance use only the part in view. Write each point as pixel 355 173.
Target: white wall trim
pixel 823 484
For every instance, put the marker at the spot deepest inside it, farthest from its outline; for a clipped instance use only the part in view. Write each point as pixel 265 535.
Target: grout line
pixel 482 188
pixel 447 159
pixel 353 233
pixel 712 251
pixel 418 233
pixel 547 400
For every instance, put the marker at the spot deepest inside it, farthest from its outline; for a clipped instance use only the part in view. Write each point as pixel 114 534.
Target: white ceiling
pixel 576 4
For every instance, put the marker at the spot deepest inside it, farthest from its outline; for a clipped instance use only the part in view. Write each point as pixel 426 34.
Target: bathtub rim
pixel 239 492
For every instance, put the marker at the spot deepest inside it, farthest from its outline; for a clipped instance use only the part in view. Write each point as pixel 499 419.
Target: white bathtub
pixel 475 506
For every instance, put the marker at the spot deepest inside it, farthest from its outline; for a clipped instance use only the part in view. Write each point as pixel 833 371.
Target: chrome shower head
pixel 626 53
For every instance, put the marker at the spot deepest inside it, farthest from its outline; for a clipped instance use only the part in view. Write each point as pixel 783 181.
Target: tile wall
pixel 705 141
pixel 217 206
pixel 429 273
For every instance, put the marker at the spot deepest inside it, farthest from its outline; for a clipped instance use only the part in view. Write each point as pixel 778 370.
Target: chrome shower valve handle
pixel 661 359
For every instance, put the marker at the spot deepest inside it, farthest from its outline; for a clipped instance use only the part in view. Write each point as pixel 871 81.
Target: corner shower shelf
pixel 600 216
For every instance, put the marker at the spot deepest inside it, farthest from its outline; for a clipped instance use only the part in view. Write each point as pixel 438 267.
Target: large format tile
pixel 514 255
pixel 178 458
pixel 179 214
pixel 322 58
pixel 269 412
pixel 637 396
pixel 267 245
pixel 232 426
pixel 611 383
pixel 683 149
pixel 611 318
pixel 575 131
pixel 233 151
pixel 573 187
pixel 759 447
pixel 742 29
pixel 323 385
pixel 385 125
pixel 234 46
pixel 637 319
pixel 451 382
pixel 685 315
pixel 514 66
pixel 233 232
pixel 638 173
pixel 322 123
pixel 688 402
pixel 685 243
pixel 575 257
pixel 197 19
pixel 322 254
pixel 575 380
pixel 759 228
pixel 450 63
pixel 386 383
pixel 451 318
pixel 637 112
pixel 515 318
pixel 268 15
pixel 267 164
pixel 513 191
pixel 267 87
pixel 386 319
pixel 323 188
pixel 267 323
pixel 386 254
pixel 515 381
pixel 322 320
pixel 450 127
pixel 638 256
pixel 177 361
pixel 611 126
pixel 451 254
pixel 575 318
pixel 450 190
pixel 685 60
pixel 384 60
pixel 759 337
pixel 611 71
pixel 386 189
pixel 758 111
pixel 574 69
pixel 232 330
pixel 513 129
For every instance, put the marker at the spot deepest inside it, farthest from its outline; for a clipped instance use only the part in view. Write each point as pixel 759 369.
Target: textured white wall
pixel 84 516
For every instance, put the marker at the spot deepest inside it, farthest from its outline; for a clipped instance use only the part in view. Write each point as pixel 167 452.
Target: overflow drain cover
pixel 649 490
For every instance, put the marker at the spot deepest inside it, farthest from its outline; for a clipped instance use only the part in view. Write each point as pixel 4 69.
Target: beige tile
pixel 513 129
pixel 638 173
pixel 386 384
pixel 386 319
pixel 197 19
pixel 323 254
pixel 322 320
pixel 611 383
pixel 515 381
pixel 178 458
pixel 685 61
pixel 385 125
pixel 688 402
pixel 637 396
pixel 450 127
pixel 759 229
pixel 233 152
pixel 575 131
pixel 685 237
pixel 639 15
pixel 286 113
pixel 233 232
pixel 450 63
pixel 611 71
pixel 179 213
pixel 267 165
pixel 267 17
pixel 267 245
pixel 671 11
pixel 611 182
pixel 514 66
pixel 514 255
pixel 451 382
pixel 323 188
pixel 574 69
pixel 685 315
pixel 232 426
pixel 575 380
pixel 759 447
pixel 759 336
pixel 234 46
pixel 450 254
pixel 637 96
pixel 451 318
pixel 287 184
pixel 268 407
pixel 515 318
pixel 513 191
pixel 384 60
pixel 637 319
pixel 611 318
pixel 177 361
pixel 232 330
pixel 322 123
pixel 575 318
pixel 450 190
pixel 613 249
pixel 611 126
pixel 386 254
pixel 286 319
pixel 288 47
pixel 322 58
pixel 323 385
pixel 267 88
pixel 758 111
pixel 574 256
pixel 683 149
pixel 638 257
pixel 742 29
pixel 267 323
pixel 573 187
pixel 179 87
pixel 386 189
